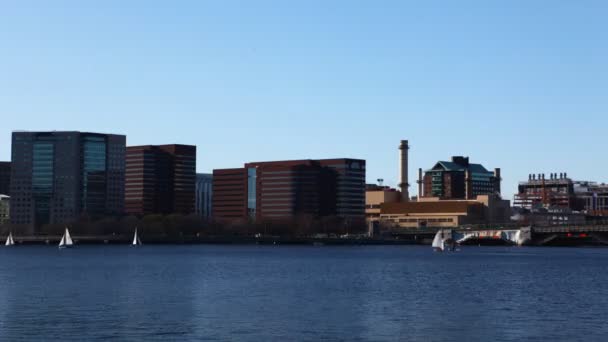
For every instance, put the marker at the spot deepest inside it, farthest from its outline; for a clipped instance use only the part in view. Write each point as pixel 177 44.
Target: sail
pixel 438 240
pixel 9 240
pixel 68 238
pixel 136 240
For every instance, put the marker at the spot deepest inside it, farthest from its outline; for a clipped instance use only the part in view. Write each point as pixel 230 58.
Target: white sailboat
pixel 438 243
pixel 9 240
pixel 136 240
pixel 66 240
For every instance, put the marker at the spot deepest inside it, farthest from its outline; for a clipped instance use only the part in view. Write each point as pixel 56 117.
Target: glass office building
pixel 60 177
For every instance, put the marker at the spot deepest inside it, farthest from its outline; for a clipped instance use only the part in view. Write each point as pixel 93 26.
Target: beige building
pixel 375 196
pixel 4 209
pixel 433 212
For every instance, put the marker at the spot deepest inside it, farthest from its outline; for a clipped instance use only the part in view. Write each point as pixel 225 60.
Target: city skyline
pixel 519 87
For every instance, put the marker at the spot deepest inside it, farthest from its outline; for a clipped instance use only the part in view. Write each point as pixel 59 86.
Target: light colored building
pixel 4 209
pixel 433 212
pixel 374 197
pixel 204 194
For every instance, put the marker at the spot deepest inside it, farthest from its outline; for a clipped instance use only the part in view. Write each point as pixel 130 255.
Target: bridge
pixel 513 235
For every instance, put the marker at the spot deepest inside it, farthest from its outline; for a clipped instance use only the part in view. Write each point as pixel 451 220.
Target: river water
pixel 303 293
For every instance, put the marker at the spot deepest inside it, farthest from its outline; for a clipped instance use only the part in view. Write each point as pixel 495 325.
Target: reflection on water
pixel 302 293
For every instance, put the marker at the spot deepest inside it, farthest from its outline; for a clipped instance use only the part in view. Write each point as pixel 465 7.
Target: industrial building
pixel 555 191
pixel 59 177
pixel 449 195
pixel 5 178
pixel 204 191
pixel 433 212
pixel 160 179
pixel 458 179
pixel 558 191
pixel 284 190
pixel 374 197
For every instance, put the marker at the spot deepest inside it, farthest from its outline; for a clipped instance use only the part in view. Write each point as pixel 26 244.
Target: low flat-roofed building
pixel 374 197
pixel 432 212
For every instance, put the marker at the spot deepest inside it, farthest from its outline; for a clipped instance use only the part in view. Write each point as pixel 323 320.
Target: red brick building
pixel 160 179
pixel 287 189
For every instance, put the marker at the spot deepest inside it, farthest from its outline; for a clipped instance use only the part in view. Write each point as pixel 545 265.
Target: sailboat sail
pixel 9 240
pixel 136 240
pixel 438 240
pixel 66 240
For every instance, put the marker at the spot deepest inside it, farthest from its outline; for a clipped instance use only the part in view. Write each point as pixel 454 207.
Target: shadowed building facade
pixel 5 178
pixel 287 189
pixel 160 179
pixel 204 185
pixel 58 177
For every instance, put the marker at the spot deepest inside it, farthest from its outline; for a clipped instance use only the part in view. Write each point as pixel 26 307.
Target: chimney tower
pixel 403 168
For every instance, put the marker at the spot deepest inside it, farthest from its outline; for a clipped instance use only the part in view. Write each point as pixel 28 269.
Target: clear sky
pixel 521 85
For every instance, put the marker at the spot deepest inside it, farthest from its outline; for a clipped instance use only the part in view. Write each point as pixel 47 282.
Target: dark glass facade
pixel 5 178
pixel 61 177
pixel 94 175
pixel 42 179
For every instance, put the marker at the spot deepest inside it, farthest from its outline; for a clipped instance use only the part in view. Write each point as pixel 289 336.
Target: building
pixel 160 179
pixel 4 209
pixel 59 177
pixel 229 195
pixel 5 178
pixel 374 197
pixel 458 179
pixel 593 196
pixel 204 191
pixel 557 191
pixel 546 217
pixel 288 189
pixel 434 212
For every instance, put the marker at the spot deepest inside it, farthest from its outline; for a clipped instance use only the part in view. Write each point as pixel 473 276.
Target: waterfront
pixel 247 292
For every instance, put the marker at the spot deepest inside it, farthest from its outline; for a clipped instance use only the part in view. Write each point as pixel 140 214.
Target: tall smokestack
pixel 468 193
pixel 403 168
pixel 497 180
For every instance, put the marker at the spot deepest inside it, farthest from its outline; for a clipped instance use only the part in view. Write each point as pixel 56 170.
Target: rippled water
pixel 262 293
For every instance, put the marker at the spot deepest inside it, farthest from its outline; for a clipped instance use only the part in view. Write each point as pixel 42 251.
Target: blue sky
pixel 520 85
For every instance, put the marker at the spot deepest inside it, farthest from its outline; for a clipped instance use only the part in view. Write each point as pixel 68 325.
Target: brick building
pixel 287 189
pixel 160 179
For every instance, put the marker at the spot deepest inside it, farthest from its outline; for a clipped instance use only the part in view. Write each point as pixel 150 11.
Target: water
pixel 265 293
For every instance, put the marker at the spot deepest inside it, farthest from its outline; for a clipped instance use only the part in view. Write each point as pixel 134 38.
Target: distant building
pixel 459 179
pixel 4 209
pixel 593 196
pixel 433 212
pixel 58 177
pixel 160 179
pixel 5 178
pixel 287 189
pixel 545 217
pixel 204 191
pixel 374 197
pixel 558 191
pixel 229 194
